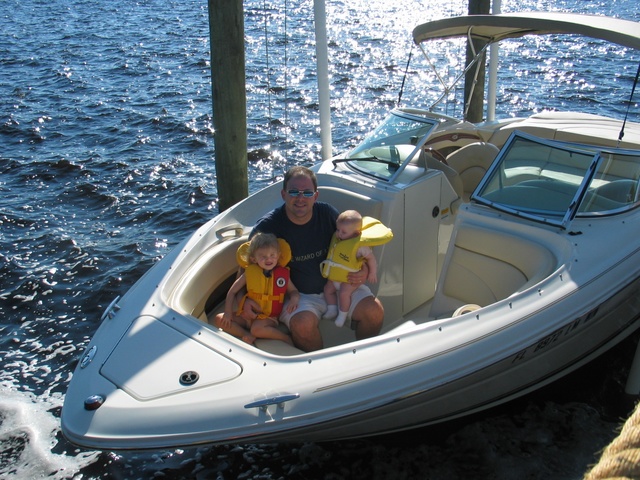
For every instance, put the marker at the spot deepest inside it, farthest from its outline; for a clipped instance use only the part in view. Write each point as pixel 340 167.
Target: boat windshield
pixel 386 151
pixel 553 182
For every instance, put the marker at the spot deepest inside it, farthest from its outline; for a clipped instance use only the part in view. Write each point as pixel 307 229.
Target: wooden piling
pixel 226 33
pixel 476 102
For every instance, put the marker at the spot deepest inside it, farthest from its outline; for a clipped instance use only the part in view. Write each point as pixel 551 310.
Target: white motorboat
pixel 512 264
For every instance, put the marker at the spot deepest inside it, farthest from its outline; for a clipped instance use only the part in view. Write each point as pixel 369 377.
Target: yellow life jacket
pixel 342 258
pixel 267 291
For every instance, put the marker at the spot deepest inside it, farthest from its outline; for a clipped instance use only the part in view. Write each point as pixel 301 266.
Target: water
pixel 106 163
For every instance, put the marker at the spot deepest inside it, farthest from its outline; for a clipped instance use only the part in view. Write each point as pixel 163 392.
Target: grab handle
pixel 230 231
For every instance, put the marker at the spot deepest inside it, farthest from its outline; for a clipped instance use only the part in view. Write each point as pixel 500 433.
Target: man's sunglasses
pixel 304 193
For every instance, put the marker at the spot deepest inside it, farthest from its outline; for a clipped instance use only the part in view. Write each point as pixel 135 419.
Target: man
pixel 307 225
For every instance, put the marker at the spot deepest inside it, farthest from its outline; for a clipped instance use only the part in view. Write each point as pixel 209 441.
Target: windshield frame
pixel 500 184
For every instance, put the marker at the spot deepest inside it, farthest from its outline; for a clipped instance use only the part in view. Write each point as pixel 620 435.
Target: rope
pixel 633 89
pixel 406 71
pixel 621 459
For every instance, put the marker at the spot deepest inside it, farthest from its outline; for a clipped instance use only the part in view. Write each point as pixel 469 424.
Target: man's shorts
pixel 315 302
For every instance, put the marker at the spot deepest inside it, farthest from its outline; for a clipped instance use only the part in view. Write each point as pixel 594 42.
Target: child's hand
pixel 225 322
pixel 294 299
pixel 372 278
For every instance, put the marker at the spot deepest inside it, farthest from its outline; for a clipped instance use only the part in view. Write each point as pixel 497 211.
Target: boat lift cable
pixel 633 89
pixel 272 135
pixel 406 70
pixel 266 56
pixel 448 88
pixel 286 77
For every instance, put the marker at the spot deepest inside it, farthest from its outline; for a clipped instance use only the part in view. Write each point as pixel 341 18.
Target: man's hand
pixel 358 278
pixel 250 310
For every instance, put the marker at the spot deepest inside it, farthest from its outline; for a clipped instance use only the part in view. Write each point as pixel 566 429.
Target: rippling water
pixel 107 161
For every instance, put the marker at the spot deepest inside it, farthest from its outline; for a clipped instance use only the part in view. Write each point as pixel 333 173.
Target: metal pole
pixel 320 18
pixel 493 70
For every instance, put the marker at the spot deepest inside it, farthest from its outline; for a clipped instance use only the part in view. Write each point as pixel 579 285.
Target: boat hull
pixel 512 264
pixel 433 372
pixel 429 400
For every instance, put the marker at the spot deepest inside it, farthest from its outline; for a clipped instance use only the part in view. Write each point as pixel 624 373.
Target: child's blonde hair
pixel 262 240
pixel 351 217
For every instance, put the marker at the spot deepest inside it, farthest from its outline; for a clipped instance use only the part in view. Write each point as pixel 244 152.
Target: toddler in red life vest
pixel 266 279
pixel 350 247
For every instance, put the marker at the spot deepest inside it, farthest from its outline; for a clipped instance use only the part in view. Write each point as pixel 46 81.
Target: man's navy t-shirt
pixel 309 243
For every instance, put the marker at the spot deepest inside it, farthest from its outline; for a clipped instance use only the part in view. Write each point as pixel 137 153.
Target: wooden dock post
pixel 476 101
pixel 226 33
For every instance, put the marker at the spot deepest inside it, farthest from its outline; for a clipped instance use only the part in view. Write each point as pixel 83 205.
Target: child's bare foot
pixel 250 339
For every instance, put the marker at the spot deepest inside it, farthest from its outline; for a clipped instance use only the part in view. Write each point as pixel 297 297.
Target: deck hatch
pixel 151 359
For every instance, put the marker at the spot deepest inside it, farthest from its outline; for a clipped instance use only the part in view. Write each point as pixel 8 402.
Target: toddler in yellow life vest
pixel 350 247
pixel 266 279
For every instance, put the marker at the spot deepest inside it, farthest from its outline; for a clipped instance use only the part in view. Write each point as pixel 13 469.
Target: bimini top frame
pixel 489 29
pixel 494 28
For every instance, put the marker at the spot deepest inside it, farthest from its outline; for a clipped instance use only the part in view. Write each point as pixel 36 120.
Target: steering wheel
pixel 437 155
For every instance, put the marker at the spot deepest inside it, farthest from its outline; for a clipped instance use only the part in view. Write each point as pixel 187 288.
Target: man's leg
pixel 368 316
pixel 304 322
pixel 305 332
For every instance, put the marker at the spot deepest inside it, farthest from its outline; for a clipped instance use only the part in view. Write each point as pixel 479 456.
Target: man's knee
pixel 369 308
pixel 305 332
pixel 368 317
pixel 303 322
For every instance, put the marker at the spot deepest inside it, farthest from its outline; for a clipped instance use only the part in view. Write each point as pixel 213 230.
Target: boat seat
pixel 452 175
pixel 207 280
pixel 623 191
pixel 471 162
pixel 485 266
pixel 277 347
